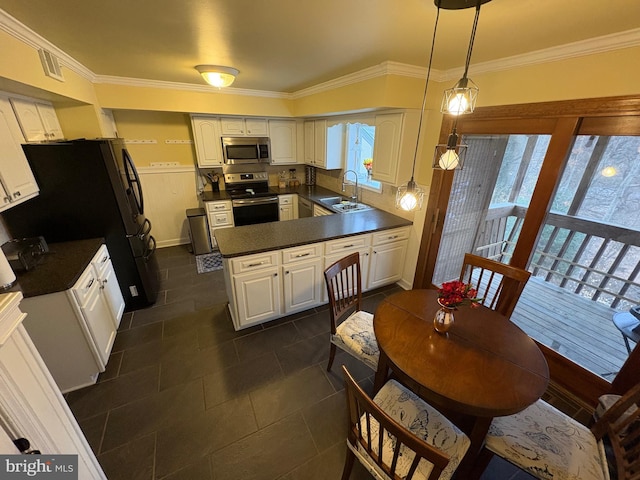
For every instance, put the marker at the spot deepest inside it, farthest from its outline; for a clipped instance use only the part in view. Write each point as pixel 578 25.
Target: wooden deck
pixel 580 329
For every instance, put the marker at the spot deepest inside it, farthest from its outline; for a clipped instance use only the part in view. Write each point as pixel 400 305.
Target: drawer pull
pixel 90 283
pixel 255 264
pixel 303 255
pixel 104 259
pixel 393 236
pixel 349 246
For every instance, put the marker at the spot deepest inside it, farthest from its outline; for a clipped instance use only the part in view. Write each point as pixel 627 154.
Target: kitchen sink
pixel 344 205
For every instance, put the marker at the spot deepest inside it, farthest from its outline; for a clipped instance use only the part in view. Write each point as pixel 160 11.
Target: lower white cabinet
pixel 110 289
pixel 388 252
pixel 73 330
pixel 219 215
pixel 31 405
pixel 269 285
pixel 302 269
pixel 287 207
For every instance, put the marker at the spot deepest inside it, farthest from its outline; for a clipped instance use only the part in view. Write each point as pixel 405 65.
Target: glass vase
pixel 443 319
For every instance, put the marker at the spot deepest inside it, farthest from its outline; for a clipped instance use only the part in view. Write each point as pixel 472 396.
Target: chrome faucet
pixel 354 197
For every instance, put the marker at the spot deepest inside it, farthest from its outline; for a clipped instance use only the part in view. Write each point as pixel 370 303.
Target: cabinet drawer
pixel 285 199
pixel 393 235
pixel 220 219
pixel 218 206
pixel 304 252
pixel 101 259
pixel 250 263
pixel 347 244
pixel 83 287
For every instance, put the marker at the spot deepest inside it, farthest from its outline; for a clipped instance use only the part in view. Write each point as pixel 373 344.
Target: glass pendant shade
pixel 409 197
pixel 216 75
pixel 461 99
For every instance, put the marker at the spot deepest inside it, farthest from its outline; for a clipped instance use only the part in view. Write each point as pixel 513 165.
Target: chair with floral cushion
pixel 499 285
pixel 351 328
pixel 551 445
pixel 397 435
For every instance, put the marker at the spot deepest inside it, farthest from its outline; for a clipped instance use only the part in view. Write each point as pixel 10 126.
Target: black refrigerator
pixel 89 189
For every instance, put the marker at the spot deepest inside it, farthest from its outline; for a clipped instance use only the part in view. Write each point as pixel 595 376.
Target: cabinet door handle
pixel 287 272
pixel 16 194
pixel 275 274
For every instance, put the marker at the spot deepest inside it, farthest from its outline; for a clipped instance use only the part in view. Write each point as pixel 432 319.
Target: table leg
pixel 476 435
pixel 382 373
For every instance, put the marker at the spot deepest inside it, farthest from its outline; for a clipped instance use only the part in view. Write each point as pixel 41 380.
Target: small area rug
pixel 209 262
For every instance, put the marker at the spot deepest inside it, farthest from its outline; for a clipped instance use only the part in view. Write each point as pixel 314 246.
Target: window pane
pixel 360 139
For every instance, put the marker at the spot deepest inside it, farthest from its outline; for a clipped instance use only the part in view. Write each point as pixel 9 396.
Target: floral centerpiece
pixel 368 165
pixel 456 294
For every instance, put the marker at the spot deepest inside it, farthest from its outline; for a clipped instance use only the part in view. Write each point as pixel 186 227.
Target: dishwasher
pixel 305 208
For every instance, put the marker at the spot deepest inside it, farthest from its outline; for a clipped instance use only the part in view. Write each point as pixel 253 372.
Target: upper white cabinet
pixel 253 127
pixel 206 134
pixel 283 136
pixel 386 150
pixel 18 183
pixel 327 150
pixel 38 120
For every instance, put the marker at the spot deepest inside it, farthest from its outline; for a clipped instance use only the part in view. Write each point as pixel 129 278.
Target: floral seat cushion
pixel 424 421
pixel 355 336
pixel 548 444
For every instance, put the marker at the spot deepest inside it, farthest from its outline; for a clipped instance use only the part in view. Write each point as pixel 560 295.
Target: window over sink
pixel 359 152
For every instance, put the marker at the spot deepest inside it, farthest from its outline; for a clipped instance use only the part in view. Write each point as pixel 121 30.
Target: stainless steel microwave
pixel 245 150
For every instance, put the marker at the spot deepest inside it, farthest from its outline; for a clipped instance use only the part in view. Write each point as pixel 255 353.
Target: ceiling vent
pixel 51 65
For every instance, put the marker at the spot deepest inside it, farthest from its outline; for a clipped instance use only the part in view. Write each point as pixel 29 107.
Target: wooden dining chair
pixel 351 327
pixel 397 435
pixel 549 444
pixel 498 284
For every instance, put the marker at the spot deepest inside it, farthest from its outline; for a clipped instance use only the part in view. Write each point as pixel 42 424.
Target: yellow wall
pixel 158 126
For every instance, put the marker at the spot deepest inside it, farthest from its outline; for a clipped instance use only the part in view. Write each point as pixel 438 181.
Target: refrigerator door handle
pixel 152 249
pixel 133 180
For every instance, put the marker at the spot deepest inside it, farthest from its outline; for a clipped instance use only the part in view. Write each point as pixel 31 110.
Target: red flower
pixel 456 293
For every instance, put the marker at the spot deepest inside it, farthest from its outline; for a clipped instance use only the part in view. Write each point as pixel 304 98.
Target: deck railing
pixel 591 259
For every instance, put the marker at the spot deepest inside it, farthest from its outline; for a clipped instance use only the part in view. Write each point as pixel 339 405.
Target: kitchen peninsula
pixel 275 269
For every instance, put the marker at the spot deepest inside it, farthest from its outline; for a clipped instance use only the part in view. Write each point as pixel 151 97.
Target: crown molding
pixel 139 82
pixel 592 46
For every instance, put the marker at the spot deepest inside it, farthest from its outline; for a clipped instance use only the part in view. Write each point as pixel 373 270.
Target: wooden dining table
pixel 485 366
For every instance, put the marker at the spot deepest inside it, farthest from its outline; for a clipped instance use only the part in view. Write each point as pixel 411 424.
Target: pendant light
pixel 461 98
pixel 410 196
pixel 217 75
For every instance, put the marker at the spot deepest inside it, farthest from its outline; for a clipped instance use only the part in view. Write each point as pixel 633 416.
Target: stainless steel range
pixel 252 199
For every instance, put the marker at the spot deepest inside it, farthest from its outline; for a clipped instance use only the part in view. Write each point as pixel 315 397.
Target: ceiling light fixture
pixel 459 100
pixel 216 75
pixel 409 196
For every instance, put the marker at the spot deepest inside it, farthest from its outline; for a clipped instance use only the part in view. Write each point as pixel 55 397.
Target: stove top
pixel 248 185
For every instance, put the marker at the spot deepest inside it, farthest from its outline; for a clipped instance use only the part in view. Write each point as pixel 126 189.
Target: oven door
pixel 249 211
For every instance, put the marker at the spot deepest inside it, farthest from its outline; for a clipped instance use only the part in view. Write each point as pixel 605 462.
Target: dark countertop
pixel 313 193
pixel 238 241
pixel 59 269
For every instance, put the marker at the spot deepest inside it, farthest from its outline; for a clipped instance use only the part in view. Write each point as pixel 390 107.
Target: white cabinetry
pixel 288 207
pixel 73 330
pixel 328 144
pixel 206 134
pixel 237 126
pixel 31 406
pixel 283 136
pixel 219 215
pixel 388 252
pixel 256 289
pixel 334 250
pixel 109 283
pixel 38 120
pixel 18 183
pixel 302 277
pixel 386 150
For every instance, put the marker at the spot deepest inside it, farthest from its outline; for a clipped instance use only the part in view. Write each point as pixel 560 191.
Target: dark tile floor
pixel 185 396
